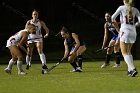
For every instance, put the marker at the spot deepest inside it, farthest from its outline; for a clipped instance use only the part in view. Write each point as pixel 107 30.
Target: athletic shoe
pixel 73 70
pixel 133 73
pixel 7 70
pixel 105 65
pixel 44 69
pixel 117 66
pixel 129 73
pixel 78 69
pixel 22 73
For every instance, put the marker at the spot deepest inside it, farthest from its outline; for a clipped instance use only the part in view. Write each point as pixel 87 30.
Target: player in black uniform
pixel 74 48
pixel 114 42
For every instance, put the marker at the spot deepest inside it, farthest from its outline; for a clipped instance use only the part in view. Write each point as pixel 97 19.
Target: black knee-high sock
pixel 117 57
pixel 74 65
pixel 107 59
pixel 80 60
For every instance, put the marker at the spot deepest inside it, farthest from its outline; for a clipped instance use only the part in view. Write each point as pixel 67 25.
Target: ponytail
pixel 131 4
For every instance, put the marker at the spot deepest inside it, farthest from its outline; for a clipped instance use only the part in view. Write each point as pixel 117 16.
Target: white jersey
pixel 127 30
pixel 15 39
pixel 37 37
pixel 123 11
pixel 38 27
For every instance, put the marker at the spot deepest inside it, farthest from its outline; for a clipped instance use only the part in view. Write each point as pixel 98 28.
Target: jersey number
pixel 129 20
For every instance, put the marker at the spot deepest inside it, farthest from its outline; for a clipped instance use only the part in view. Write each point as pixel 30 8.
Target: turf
pixel 93 79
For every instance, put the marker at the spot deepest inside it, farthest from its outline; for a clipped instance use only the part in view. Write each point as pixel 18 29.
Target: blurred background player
pixel 36 40
pixel 127 33
pixel 16 45
pixel 114 42
pixel 74 48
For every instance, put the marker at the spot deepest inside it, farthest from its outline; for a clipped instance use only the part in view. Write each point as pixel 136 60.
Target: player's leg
pixel 30 48
pixel 39 46
pixel 126 52
pixel 72 61
pixel 19 55
pixel 109 53
pixel 16 52
pixel 117 53
pixel 80 51
pixel 12 61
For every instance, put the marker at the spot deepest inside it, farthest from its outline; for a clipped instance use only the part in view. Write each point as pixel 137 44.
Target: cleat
pixel 105 65
pixel 7 71
pixel 22 73
pixel 78 69
pixel 128 73
pixel 73 70
pixel 133 73
pixel 44 69
pixel 117 66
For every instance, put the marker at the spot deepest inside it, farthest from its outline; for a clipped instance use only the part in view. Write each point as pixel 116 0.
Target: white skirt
pixel 128 34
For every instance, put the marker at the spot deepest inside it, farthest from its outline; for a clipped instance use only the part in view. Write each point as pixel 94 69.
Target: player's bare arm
pixel 45 28
pixel 23 41
pixel 77 45
pixel 105 36
pixel 115 24
pixel 66 49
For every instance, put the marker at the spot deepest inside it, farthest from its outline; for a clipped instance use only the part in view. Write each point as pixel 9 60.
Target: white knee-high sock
pixel 128 59
pixel 132 65
pixel 28 60
pixel 19 66
pixel 11 63
pixel 43 58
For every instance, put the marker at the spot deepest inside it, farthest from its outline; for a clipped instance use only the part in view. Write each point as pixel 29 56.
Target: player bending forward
pixel 74 48
pixel 16 45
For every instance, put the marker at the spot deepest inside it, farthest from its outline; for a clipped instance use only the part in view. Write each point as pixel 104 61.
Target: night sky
pixel 84 16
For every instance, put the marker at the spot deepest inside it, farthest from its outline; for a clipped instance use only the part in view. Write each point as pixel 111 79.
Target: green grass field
pixel 93 79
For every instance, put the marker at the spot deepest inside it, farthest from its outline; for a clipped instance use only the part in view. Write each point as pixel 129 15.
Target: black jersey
pixel 71 42
pixel 111 28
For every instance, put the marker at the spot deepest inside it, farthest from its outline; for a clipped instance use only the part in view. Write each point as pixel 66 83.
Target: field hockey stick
pixel 58 63
pixel 55 65
pixel 102 49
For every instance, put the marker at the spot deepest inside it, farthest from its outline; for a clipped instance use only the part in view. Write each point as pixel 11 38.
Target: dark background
pixel 84 16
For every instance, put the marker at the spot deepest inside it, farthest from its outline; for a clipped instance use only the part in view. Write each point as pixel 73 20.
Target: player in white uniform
pixel 15 44
pixel 127 32
pixel 36 39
